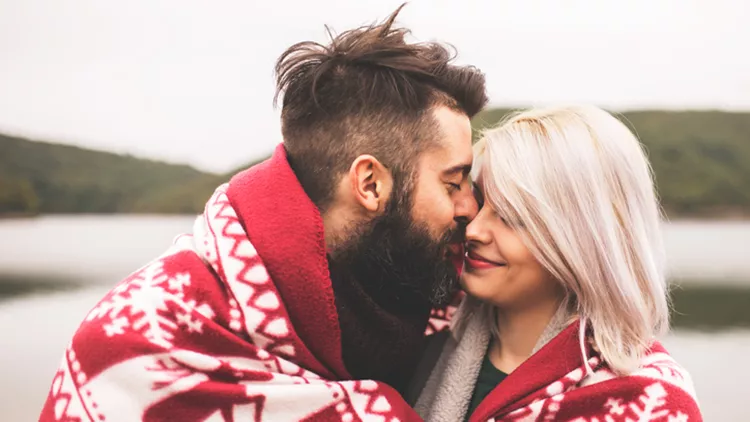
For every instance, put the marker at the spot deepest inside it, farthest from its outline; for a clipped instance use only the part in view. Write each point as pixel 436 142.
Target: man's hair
pixel 368 92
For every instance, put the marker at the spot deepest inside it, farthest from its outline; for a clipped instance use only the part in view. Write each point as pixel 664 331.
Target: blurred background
pixel 118 119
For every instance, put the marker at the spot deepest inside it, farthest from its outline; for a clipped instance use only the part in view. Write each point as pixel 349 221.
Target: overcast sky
pixel 191 81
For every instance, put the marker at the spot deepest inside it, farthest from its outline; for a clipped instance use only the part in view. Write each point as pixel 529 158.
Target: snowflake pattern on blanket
pixel 203 333
pixel 140 305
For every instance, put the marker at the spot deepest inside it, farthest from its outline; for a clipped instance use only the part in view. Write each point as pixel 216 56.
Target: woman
pixel 564 272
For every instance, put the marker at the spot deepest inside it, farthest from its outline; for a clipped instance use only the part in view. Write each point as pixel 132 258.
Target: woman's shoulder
pixel 630 398
pixel 660 385
pixel 659 365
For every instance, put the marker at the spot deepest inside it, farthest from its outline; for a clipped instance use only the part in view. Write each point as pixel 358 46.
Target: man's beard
pixel 398 262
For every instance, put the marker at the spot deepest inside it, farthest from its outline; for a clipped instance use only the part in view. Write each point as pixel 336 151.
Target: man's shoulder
pixel 158 306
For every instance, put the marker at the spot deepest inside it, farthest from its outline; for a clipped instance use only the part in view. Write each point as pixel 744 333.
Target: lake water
pixel 84 255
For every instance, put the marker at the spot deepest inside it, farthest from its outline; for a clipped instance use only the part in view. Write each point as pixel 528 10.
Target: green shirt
pixel 489 377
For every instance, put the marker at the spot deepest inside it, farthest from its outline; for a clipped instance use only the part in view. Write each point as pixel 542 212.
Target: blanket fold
pixel 236 322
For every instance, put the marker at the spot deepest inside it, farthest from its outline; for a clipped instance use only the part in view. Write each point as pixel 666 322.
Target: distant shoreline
pixel 18 215
pixel 698 161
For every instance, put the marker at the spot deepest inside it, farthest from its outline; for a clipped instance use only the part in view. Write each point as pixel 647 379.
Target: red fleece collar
pixel 286 229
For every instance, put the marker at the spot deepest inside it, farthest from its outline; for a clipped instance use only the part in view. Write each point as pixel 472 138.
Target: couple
pixel 307 285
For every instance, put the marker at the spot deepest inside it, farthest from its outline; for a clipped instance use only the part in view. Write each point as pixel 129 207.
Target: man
pixel 307 284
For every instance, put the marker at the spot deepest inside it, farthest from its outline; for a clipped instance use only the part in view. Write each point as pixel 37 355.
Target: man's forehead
pixel 452 151
pixel 447 161
pixel 452 124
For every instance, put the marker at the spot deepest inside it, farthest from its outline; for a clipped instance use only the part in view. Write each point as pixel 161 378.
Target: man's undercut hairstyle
pixel 367 92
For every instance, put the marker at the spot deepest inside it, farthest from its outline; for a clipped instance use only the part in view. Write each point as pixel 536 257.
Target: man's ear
pixel 371 183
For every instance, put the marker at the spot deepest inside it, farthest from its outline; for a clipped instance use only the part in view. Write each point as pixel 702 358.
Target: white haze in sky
pixel 191 81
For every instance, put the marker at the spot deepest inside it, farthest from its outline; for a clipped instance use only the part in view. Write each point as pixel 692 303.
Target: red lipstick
pixel 477 261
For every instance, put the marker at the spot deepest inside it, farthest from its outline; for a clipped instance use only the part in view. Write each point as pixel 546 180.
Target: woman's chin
pixel 476 286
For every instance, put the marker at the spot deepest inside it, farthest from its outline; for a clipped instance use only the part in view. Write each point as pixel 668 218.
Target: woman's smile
pixel 476 261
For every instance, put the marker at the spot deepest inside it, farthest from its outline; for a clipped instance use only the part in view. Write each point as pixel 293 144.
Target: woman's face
pixel 499 268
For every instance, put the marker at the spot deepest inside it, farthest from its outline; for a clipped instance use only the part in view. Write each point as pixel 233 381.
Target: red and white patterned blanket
pixel 555 384
pixel 222 328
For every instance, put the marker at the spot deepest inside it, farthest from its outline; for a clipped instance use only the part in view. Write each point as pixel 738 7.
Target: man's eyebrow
pixel 463 169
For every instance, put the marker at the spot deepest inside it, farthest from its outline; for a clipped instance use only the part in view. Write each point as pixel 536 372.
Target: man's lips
pixel 475 260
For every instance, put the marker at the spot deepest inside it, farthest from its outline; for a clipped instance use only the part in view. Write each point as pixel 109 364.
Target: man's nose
pixel 466 206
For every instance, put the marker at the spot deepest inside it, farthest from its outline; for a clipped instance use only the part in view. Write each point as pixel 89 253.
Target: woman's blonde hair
pixel 578 183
